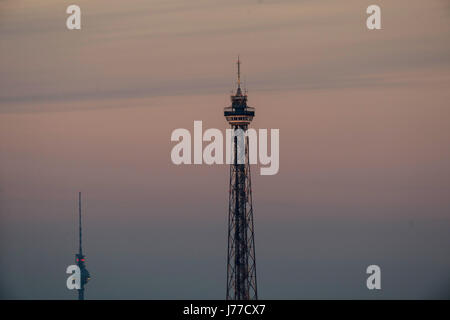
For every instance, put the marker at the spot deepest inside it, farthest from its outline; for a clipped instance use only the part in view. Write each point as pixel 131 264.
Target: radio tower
pixel 241 264
pixel 85 276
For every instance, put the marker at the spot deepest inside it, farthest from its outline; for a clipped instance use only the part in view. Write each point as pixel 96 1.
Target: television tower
pixel 85 276
pixel 241 263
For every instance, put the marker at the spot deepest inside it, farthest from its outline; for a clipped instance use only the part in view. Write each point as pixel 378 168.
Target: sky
pixel 364 159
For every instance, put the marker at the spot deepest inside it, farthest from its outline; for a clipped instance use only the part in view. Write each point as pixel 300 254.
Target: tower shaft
pixel 241 269
pixel 81 293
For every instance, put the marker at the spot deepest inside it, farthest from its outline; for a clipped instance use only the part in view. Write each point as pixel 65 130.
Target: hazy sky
pixel 364 146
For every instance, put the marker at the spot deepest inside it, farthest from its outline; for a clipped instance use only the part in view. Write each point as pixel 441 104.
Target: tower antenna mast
pixel 239 71
pixel 79 225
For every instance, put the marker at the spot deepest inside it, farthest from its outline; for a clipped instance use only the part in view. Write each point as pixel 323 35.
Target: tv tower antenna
pixel 241 263
pixel 79 257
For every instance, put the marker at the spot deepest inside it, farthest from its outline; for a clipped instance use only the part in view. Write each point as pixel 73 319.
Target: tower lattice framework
pixel 241 262
pixel 80 257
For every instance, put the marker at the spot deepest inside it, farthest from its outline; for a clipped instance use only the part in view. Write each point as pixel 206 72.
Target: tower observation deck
pixel 239 114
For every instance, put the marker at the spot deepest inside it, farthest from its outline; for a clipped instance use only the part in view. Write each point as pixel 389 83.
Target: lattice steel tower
pixel 241 264
pixel 79 257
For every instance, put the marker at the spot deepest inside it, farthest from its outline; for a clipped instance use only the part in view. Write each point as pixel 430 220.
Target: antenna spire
pixel 79 216
pixel 239 72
